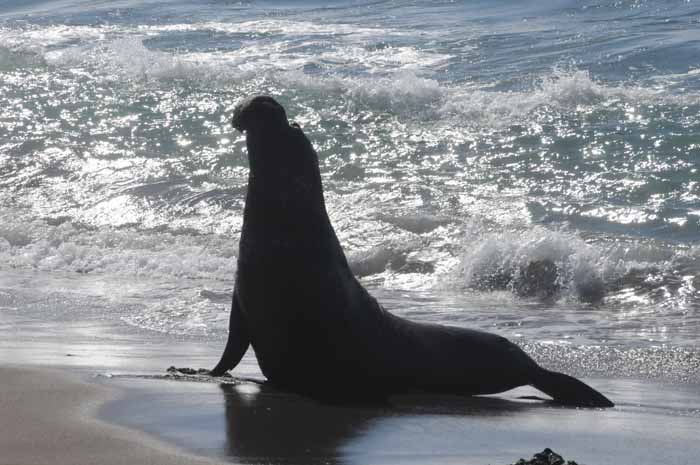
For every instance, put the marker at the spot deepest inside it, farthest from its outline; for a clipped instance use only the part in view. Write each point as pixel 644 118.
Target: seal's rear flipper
pixel 567 390
pixel 238 341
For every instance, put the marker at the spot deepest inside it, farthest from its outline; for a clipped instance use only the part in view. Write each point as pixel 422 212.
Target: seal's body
pixel 314 328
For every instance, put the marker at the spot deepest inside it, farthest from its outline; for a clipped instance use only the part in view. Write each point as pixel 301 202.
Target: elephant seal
pixel 314 329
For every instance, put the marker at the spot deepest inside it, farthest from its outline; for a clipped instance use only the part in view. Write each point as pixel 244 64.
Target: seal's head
pixel 274 146
pixel 257 113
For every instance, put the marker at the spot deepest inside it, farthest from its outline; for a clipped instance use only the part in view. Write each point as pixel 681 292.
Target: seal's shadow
pixel 265 425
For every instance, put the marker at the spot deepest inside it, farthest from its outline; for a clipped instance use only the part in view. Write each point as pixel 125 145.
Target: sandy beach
pixel 48 417
pixel 96 415
pixel 90 393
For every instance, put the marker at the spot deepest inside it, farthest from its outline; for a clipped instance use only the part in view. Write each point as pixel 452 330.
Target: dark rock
pixel 546 457
pixel 498 280
pixel 537 279
pixel 187 371
pixel 591 291
pixel 175 372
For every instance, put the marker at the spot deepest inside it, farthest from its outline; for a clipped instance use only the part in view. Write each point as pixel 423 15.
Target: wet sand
pixel 248 423
pixel 107 400
pixel 48 417
pixel 58 417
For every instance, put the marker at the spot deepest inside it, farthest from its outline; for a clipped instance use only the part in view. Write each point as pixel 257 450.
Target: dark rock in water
pixel 498 280
pixel 537 279
pixel 546 457
pixel 592 291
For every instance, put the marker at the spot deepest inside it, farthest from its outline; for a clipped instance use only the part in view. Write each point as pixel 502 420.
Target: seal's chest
pixel 289 345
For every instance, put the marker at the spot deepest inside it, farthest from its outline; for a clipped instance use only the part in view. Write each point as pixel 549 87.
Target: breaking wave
pixel 543 263
pixel 27 243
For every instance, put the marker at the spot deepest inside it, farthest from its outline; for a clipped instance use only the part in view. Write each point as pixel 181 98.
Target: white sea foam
pixel 387 59
pixel 404 93
pixel 184 313
pixel 38 39
pixel 124 46
pixel 393 68
pixel 286 28
pixel 28 243
pixel 376 259
pixel 397 79
pixel 408 93
pixel 128 59
pixel 585 270
pixel 561 89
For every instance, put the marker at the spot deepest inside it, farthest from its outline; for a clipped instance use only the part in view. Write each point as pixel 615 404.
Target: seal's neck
pixel 285 208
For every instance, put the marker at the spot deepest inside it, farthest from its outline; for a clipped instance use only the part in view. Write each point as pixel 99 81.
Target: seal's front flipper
pixel 568 390
pixel 238 340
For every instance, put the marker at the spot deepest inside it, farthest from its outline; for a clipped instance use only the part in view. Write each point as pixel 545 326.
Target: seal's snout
pixel 259 112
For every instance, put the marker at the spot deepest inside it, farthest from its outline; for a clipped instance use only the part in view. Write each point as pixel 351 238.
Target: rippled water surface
pixel 522 167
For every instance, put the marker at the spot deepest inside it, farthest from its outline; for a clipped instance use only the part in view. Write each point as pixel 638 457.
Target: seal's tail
pixel 568 390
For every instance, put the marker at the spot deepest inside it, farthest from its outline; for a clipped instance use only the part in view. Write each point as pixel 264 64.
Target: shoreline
pixel 50 416
pixel 60 416
pixel 157 420
pixel 251 423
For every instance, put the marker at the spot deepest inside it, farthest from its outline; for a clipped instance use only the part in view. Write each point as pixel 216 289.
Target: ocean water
pixel 463 145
